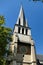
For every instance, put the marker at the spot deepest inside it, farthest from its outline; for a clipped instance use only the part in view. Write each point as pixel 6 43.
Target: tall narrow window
pixel 19 21
pixel 22 30
pixel 26 31
pixel 18 29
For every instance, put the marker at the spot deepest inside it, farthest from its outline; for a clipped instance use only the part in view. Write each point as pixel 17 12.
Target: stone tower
pixel 22 45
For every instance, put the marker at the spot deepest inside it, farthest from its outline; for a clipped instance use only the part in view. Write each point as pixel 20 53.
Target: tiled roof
pixel 40 57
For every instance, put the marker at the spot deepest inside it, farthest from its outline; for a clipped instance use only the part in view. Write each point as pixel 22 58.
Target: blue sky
pixel 34 14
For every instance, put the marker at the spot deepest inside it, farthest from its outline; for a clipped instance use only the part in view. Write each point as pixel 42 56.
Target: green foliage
pixel 2 20
pixel 2 61
pixel 5 38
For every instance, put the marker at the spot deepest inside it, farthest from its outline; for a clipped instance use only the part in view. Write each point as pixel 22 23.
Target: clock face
pixel 23 49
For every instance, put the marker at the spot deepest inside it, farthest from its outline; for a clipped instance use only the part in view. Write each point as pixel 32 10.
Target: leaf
pixel 5 38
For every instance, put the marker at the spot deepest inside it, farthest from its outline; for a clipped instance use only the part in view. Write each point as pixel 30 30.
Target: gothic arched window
pixel 18 29
pixel 22 30
pixel 19 21
pixel 26 31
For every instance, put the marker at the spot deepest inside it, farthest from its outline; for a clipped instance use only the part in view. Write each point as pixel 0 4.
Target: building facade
pixel 22 46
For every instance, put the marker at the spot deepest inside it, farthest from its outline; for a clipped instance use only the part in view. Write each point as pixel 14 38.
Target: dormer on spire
pixel 26 23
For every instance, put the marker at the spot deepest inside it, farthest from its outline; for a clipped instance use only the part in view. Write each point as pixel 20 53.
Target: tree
pixel 5 38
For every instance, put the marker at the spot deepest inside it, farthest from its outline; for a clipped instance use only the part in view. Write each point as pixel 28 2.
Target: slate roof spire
pixel 21 18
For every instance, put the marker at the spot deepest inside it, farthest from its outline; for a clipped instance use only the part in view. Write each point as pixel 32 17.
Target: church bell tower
pixel 22 45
